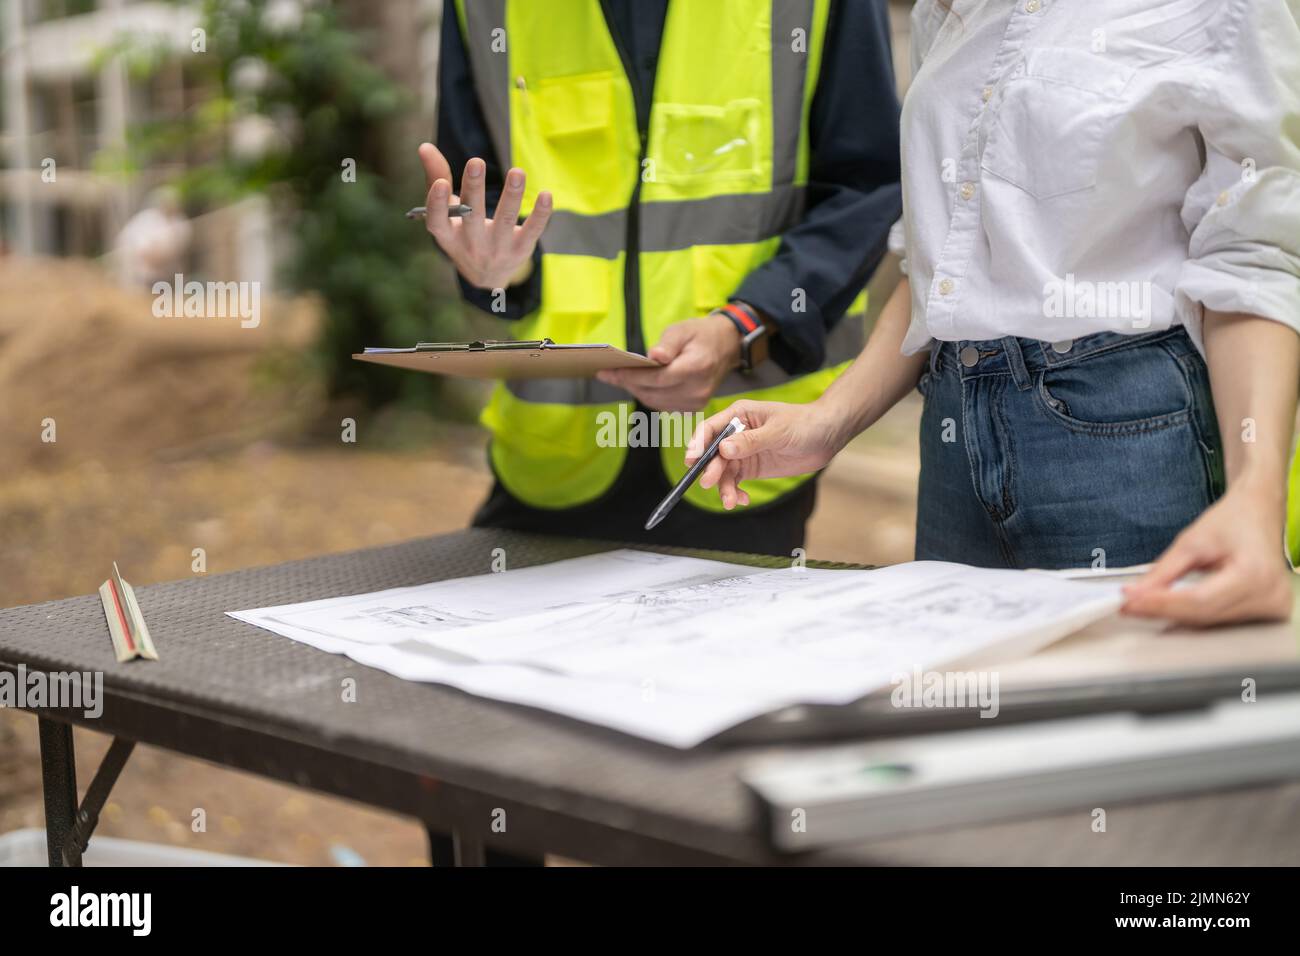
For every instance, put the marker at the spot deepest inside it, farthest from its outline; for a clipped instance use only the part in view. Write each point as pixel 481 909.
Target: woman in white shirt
pixel 1101 237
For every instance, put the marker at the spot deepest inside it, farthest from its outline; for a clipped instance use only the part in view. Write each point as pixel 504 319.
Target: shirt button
pixel 520 82
pixel 987 93
pixel 967 190
pixel 1063 346
pixel 1223 198
pixel 946 287
pixel 1032 6
pixel 970 356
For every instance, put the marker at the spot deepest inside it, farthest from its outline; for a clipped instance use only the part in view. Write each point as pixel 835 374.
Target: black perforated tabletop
pixel 246 698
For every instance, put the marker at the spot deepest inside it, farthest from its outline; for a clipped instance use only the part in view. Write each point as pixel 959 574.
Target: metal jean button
pixel 1063 346
pixel 970 356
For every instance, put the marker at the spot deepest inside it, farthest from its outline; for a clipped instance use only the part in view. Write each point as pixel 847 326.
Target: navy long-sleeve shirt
pixel 853 195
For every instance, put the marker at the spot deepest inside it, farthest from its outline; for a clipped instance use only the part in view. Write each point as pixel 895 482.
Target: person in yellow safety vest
pixel 709 183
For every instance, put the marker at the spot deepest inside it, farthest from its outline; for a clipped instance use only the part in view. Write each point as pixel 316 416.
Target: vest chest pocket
pixel 694 144
pixel 576 106
pixel 564 137
pixel 1046 129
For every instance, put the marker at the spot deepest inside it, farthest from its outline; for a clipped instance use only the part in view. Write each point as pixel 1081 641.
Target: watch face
pixel 752 348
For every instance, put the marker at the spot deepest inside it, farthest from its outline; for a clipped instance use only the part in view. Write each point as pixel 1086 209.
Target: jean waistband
pixel 1019 357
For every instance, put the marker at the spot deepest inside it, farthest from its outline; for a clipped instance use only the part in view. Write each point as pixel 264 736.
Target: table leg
pixel 442 850
pixel 469 852
pixel 59 780
pixel 498 858
pixel 455 850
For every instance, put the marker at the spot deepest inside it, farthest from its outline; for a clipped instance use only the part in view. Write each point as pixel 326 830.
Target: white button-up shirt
pixel 1079 166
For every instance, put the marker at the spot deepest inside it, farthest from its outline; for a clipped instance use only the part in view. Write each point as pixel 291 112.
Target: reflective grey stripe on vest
pixel 789 74
pixel 720 220
pixel 566 391
pixel 573 234
pixel 843 343
pixel 667 226
pixel 491 69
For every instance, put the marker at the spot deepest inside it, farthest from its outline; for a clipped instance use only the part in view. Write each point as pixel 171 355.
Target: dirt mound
pixel 117 382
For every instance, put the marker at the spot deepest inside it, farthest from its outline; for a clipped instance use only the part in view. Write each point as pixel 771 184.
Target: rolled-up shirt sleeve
pixel 898 244
pixel 1243 212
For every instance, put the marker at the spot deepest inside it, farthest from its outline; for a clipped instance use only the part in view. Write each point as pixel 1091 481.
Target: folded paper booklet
pixel 125 622
pixel 539 358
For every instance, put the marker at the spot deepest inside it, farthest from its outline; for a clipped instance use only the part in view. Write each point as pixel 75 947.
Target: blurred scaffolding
pixel 70 99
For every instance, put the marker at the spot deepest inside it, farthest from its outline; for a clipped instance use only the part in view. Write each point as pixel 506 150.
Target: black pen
pixel 453 212
pixel 734 427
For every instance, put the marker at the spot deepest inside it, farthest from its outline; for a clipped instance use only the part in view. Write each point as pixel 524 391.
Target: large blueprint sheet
pixel 677 649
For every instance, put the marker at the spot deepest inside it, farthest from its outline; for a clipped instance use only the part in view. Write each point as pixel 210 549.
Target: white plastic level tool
pixel 835 796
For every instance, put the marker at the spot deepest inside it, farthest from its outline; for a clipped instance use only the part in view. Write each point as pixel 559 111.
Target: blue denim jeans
pixel 1063 455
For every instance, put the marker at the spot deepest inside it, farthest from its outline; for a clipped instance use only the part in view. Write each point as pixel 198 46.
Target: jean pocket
pixel 1126 391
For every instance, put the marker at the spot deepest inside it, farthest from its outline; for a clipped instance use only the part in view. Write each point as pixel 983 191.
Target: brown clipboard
pixel 507 359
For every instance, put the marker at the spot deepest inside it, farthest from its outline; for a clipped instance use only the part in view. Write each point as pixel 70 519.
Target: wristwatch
pixel 753 333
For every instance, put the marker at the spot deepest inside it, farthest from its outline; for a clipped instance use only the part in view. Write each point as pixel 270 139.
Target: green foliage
pixel 288 107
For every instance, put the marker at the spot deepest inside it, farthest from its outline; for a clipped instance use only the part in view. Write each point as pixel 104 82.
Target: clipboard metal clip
pixel 484 345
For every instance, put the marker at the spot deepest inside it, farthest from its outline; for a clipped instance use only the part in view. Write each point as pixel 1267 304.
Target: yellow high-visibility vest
pixel 1293 512
pixel 651 226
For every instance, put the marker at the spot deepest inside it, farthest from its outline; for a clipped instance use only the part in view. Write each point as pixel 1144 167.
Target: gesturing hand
pixel 489 253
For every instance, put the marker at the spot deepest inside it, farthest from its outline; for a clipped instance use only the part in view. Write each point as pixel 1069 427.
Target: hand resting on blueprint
pixel 490 253
pixel 1234 543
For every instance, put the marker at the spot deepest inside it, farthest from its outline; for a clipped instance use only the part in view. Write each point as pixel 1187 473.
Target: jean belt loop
pixel 935 346
pixel 1016 362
